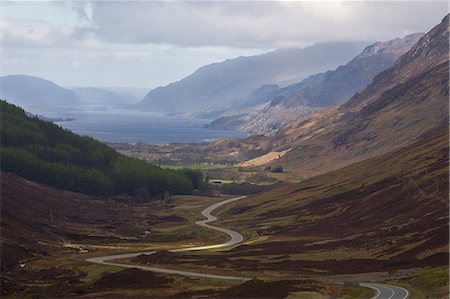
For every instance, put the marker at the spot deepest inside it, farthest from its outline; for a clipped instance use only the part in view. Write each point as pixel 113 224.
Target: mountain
pixel 219 84
pixel 403 104
pixel 287 104
pixel 29 91
pixel 96 96
pixel 339 85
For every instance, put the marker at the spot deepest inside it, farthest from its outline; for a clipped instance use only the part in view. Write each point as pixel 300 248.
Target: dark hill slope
pixel 41 224
pixel 382 214
pixel 37 219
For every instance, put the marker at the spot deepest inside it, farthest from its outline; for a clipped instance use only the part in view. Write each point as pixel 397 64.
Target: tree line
pixel 44 152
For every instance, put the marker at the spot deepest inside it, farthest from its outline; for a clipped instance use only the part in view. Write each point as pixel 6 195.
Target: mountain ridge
pixel 222 83
pixel 320 90
pixel 402 105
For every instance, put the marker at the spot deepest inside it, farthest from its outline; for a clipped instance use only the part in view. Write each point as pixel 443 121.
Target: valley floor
pixel 299 239
pixel 383 220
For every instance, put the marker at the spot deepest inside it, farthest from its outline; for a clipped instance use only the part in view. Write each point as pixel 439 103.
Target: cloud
pixel 247 24
pixel 270 24
pixel 95 63
pixel 150 43
pixel 21 32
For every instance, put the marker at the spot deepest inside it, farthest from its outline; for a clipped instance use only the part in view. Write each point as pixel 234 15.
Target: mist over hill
pixel 94 96
pixel 40 95
pixel 278 107
pixel 219 84
pixel 29 91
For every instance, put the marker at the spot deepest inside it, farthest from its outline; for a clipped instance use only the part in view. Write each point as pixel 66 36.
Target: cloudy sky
pixel 149 43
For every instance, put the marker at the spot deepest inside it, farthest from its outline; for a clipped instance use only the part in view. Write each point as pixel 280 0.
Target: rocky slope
pixel 295 101
pixel 220 84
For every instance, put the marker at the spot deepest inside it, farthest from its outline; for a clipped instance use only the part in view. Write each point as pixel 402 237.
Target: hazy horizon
pixel 82 43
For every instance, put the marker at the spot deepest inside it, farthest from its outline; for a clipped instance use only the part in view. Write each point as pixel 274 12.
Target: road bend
pixel 235 238
pixel 386 291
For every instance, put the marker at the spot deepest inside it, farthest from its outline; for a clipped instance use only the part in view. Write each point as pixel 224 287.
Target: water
pixel 144 127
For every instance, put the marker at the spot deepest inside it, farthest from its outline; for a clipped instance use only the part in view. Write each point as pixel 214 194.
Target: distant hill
pixel 93 96
pixel 279 107
pixel 29 91
pixel 219 84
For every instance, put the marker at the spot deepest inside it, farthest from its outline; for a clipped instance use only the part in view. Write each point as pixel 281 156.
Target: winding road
pixel 384 291
pixel 235 238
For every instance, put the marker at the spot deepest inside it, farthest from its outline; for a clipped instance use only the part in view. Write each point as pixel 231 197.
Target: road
pixel 235 238
pixel 384 291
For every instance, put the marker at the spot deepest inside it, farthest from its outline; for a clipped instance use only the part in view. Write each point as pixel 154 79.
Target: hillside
pixel 400 186
pixel 384 214
pixel 333 87
pixel 46 153
pixel 37 219
pixel 29 91
pixel 219 84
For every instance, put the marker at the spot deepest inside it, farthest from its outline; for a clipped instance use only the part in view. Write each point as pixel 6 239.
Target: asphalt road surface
pixel 385 291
